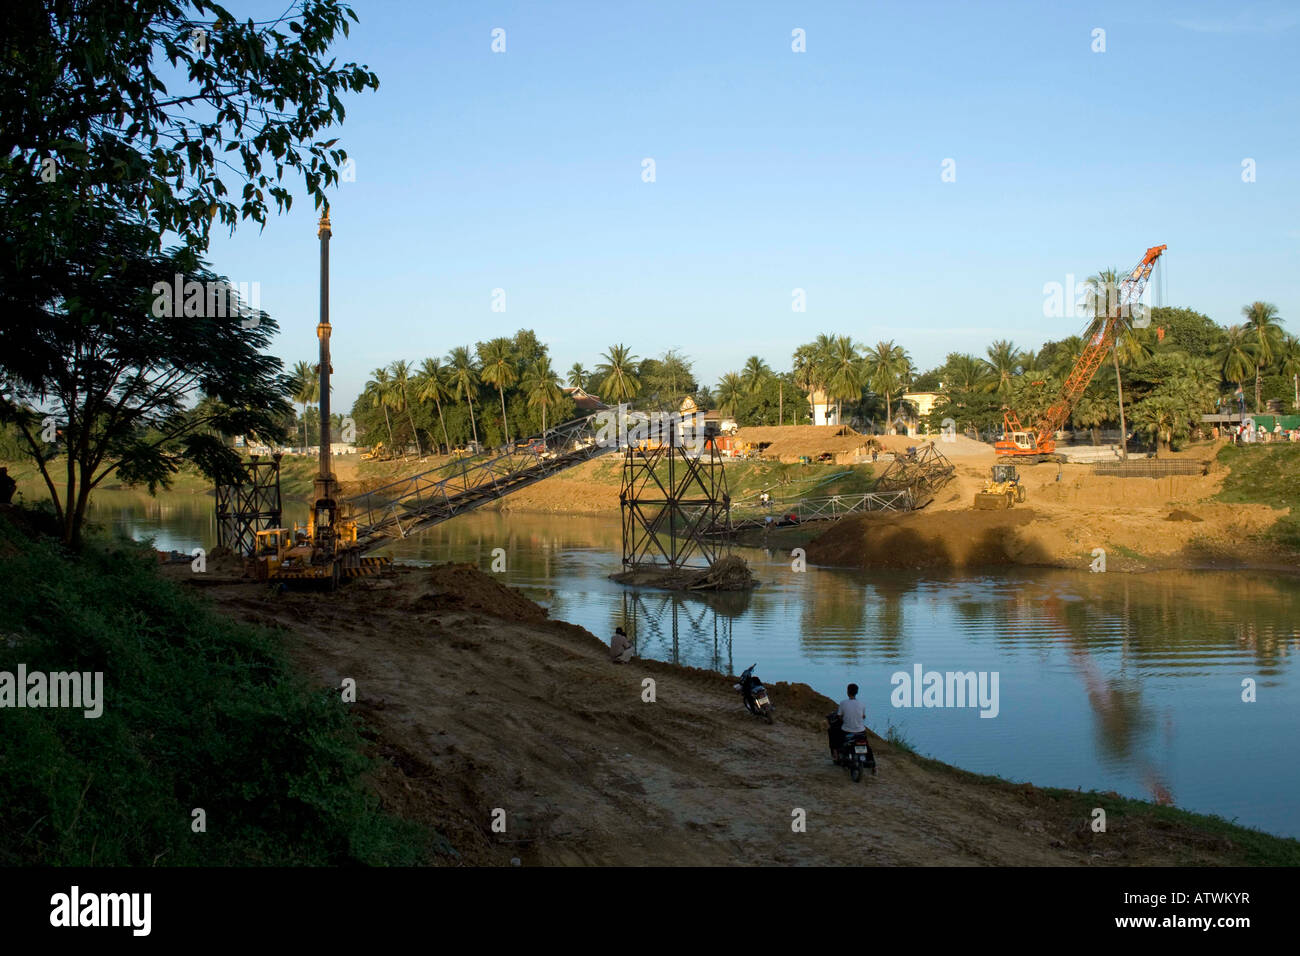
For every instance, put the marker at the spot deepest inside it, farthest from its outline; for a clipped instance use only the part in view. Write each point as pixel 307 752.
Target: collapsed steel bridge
pixel 410 505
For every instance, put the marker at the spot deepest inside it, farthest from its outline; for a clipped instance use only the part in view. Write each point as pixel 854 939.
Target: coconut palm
pixel 499 369
pixel 1288 357
pixel 401 370
pixel 967 373
pixel 464 379
pixel 1158 418
pixel 1266 329
pixel 378 393
pixel 1002 363
pixel 1089 413
pixel 888 369
pixel 755 373
pixel 578 376
pixel 432 384
pixel 1237 358
pixel 617 379
pixel 306 390
pixel 542 387
pixel 730 391
pixel 845 373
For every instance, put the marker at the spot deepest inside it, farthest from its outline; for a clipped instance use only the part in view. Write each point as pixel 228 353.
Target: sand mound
pixel 463 587
pixel 1180 515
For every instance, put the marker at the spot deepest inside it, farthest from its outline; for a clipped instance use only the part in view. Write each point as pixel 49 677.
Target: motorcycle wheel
pixel 855 772
pixel 767 715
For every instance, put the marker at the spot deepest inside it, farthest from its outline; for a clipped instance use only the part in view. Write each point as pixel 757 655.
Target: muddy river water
pixel 1179 686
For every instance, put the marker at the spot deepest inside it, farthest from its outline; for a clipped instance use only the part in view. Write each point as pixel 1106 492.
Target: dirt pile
pixel 729 573
pixel 462 587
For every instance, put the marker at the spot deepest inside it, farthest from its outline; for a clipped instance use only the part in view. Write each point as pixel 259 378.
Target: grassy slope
pixel 199 711
pixel 1267 474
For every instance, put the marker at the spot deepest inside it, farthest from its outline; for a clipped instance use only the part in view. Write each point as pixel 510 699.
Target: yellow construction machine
pixel 1003 491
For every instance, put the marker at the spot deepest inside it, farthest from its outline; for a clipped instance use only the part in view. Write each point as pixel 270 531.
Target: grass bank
pixel 1269 475
pixel 199 711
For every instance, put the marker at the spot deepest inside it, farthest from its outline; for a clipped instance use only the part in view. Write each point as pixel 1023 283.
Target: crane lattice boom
pixel 1102 334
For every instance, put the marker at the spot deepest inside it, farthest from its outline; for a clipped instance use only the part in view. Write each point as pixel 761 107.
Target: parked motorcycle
pixel 850 750
pixel 754 694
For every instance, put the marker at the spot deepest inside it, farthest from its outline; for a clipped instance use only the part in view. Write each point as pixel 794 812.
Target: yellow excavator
pixel 1003 491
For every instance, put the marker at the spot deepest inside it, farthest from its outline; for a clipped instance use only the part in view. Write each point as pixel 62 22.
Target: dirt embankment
pixel 477 702
pixel 1141 524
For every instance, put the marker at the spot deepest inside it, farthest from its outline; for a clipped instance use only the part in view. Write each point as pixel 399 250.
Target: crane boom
pixel 1102 333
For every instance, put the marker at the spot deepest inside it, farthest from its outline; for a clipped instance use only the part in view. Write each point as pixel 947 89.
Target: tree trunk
pixel 780 403
pixel 411 418
pixel 1258 407
pixel 1119 387
pixel 505 422
pixel 389 425
pixel 304 425
pixel 473 428
pixel 445 439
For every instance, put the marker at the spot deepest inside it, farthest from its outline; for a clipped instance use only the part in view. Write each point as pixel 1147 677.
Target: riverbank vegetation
pixel 1266 474
pixel 198 712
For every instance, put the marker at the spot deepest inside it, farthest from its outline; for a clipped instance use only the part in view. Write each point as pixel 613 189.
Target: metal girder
pixel 672 498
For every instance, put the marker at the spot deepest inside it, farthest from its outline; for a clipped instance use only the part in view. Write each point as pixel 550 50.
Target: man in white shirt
pixel 852 713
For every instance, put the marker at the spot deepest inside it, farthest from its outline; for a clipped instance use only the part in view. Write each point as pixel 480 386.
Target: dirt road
pixel 477 702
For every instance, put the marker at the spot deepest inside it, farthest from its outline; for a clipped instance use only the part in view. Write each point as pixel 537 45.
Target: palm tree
pixel 755 373
pixel 1102 300
pixel 499 370
pixel 730 390
pixel 1003 362
pixel 542 386
pixel 401 382
pixel 378 392
pixel 967 373
pixel 1238 356
pixel 306 390
pixel 1089 413
pixel 617 380
pixel 1266 329
pixel 844 373
pixel 1158 418
pixel 888 368
pixel 432 384
pixel 1288 357
pixel 578 376
pixel 464 379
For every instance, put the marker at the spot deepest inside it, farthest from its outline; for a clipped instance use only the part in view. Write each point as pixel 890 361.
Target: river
pixel 1132 683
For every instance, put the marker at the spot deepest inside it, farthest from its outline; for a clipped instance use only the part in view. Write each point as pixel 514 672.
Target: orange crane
pixel 1020 443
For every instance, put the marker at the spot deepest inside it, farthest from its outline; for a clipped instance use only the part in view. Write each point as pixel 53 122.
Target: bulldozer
pixel 1004 490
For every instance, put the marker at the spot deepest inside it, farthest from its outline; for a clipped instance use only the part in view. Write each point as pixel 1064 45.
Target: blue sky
pixel 777 170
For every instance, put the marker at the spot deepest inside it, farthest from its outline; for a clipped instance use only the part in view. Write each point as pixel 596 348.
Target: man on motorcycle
pixel 853 715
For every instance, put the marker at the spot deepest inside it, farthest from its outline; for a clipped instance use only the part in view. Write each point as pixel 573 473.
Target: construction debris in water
pixel 729 573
